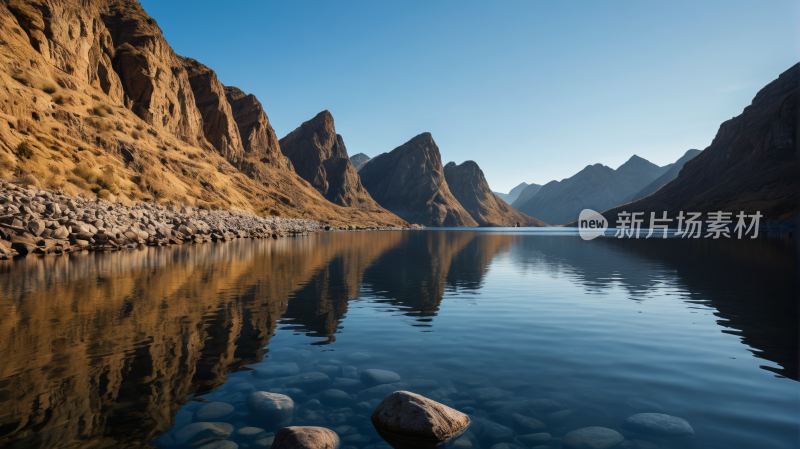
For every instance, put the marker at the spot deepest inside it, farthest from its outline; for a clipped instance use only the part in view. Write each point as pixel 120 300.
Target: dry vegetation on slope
pixel 94 102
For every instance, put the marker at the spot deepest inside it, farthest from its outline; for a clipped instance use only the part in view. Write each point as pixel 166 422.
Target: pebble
pixel 592 438
pixel 272 409
pixel 375 377
pixel 528 424
pixel 658 424
pixel 335 398
pixel 212 412
pixel 306 437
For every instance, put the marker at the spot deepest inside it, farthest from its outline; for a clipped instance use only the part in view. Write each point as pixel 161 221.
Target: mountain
pixel 469 186
pixel 513 194
pixel 95 102
pixel 668 176
pixel 320 157
pixel 751 165
pixel 526 194
pixel 596 187
pixel 359 159
pixel 410 182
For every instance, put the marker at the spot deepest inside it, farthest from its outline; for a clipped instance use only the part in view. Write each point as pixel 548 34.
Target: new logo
pixel 591 224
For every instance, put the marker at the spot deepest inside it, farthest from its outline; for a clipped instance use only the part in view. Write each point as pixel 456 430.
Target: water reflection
pixel 104 348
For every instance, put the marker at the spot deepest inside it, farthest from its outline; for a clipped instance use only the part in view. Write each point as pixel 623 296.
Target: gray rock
pixel 592 438
pixel 335 398
pixel 306 437
pixel 528 424
pixel 490 431
pixel 262 443
pixel 534 439
pixel 330 370
pixel 213 412
pixel 248 434
pixel 272 409
pixel 658 424
pixel 309 382
pixel 409 418
pixel 202 432
pixel 273 370
pixel 375 377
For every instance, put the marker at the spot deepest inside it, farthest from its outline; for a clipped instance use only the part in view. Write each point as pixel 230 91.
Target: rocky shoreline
pixel 52 223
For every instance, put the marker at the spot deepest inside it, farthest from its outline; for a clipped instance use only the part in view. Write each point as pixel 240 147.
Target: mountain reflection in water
pixel 102 349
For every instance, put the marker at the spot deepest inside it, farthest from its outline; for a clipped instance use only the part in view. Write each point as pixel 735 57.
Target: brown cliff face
pixel 751 165
pixel 410 182
pixel 469 186
pixel 219 126
pixel 105 108
pixel 320 157
pixel 258 138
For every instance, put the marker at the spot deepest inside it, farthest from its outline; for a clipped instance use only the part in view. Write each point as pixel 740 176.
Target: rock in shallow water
pixel 658 424
pixel 270 409
pixel 592 438
pixel 213 412
pixel 300 437
pixel 273 370
pixel 335 398
pixel 381 391
pixel 348 385
pixel 405 418
pixel 527 424
pixel 309 382
pixel 201 432
pixel 375 377
pixel 220 445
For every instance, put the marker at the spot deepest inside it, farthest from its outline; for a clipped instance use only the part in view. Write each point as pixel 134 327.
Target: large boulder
pixel 305 437
pixel 405 418
pixel 272 409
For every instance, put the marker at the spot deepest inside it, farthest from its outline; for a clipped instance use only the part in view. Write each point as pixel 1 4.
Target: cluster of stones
pixel 43 222
pixel 295 401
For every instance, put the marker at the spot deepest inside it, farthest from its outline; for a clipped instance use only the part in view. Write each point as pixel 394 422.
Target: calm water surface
pixel 121 349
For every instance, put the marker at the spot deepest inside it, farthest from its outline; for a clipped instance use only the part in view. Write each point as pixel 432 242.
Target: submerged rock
pixel 381 391
pixel 202 432
pixel 277 370
pixel 490 431
pixel 405 418
pixel 271 408
pixel 223 444
pixel 592 438
pixel 528 424
pixel 375 377
pixel 658 424
pixel 212 412
pixel 335 398
pixel 535 439
pixel 306 438
pixel 309 382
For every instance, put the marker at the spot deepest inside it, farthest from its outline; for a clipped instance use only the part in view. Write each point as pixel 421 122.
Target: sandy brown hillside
pixel 93 101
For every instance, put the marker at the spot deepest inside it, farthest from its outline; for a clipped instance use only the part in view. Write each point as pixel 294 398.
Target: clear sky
pixel 530 90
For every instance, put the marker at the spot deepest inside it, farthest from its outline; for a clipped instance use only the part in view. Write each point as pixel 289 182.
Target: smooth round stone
pixel 271 408
pixel 658 424
pixel 273 370
pixel 528 424
pixel 348 372
pixel 224 444
pixel 558 417
pixel 363 408
pixel 535 439
pixel 423 384
pixel 375 377
pixel 335 398
pixel 247 434
pixel 592 438
pixel 309 382
pixel 312 404
pixel 491 431
pixel 213 412
pixel 357 357
pixel 200 432
pixel 348 385
pixel 489 394
pixel 345 430
pixel 306 437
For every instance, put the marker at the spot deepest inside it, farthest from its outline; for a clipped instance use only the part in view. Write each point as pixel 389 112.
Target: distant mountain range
pixel 668 176
pixel 513 194
pixel 596 187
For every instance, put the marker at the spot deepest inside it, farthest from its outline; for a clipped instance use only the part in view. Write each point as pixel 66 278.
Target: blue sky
pixel 530 90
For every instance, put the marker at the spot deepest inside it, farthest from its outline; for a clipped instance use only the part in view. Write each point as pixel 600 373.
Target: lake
pixel 123 349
